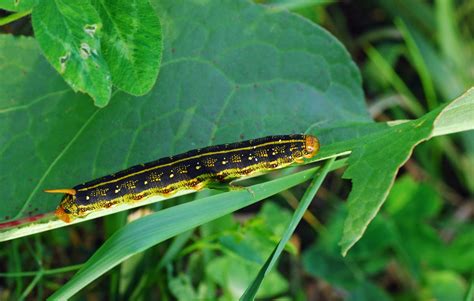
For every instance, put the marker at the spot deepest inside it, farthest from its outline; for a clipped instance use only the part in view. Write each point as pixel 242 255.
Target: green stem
pixel 43 272
pixel 470 291
pixel 13 17
pixel 304 204
pixel 419 63
pixel 31 286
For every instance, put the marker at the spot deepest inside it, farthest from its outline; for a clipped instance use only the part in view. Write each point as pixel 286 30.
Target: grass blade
pixel 313 188
pixel 470 291
pixel 420 64
pixel 410 101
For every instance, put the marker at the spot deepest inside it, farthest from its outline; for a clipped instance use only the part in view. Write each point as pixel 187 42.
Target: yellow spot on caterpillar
pixel 146 182
pixel 171 175
pixel 155 177
pixel 279 149
pixel 198 167
pixel 99 192
pixel 297 154
pixel 117 190
pixel 87 197
pixel 182 169
pixel 235 158
pixel 209 162
pixel 132 184
pixel 224 162
pixel 262 153
pixel 250 157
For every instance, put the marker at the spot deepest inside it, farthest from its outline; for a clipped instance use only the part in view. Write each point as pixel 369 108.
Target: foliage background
pixel 415 249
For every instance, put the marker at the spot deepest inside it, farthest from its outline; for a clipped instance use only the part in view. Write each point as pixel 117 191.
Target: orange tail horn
pixel 64 190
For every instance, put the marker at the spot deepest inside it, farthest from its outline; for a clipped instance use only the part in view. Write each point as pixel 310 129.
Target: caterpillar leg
pixel 237 187
pixel 226 187
pixel 221 186
pixel 199 186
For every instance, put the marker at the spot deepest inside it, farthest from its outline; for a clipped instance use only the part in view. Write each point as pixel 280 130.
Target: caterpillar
pixel 193 170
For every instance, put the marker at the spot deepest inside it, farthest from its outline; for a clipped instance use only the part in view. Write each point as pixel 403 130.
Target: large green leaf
pixel 230 71
pixel 69 35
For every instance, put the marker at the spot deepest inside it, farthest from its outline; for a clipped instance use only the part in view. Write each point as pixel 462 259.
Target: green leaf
pixel 254 240
pixel 463 241
pixel 404 202
pixel 181 287
pixel 373 166
pixel 458 116
pixel 375 161
pixel 155 228
pixel 353 272
pixel 235 84
pixel 131 43
pixel 446 285
pixel 233 274
pixel 68 33
pixel 17 5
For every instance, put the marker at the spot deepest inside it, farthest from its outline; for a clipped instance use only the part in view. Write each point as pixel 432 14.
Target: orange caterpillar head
pixel 67 208
pixel 311 146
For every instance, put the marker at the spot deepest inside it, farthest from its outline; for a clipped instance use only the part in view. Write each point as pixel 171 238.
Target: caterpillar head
pixel 311 146
pixel 67 209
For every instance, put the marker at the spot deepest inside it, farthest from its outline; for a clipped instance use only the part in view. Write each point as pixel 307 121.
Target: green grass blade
pixel 155 228
pixel 449 38
pixel 470 291
pixel 420 64
pixel 13 17
pixel 313 188
pixel 175 247
pixel 296 4
pixel 395 81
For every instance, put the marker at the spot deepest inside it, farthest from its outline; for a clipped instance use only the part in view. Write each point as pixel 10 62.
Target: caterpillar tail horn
pixel 64 190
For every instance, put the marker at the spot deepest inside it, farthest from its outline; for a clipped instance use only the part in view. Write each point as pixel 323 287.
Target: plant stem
pixel 13 17
pixel 43 272
pixel 313 188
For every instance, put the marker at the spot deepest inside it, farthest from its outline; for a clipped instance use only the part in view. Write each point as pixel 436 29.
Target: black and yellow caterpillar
pixel 191 170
